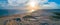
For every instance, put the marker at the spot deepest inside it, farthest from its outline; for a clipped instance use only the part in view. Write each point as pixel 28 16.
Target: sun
pixel 32 3
pixel 32 10
pixel 32 6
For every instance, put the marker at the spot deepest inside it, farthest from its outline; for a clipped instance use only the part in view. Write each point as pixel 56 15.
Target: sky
pixel 10 4
pixel 20 4
pixel 57 1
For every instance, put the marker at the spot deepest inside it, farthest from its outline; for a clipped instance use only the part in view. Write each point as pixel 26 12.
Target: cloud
pixel 50 5
pixel 42 1
pixel 20 4
pixel 16 2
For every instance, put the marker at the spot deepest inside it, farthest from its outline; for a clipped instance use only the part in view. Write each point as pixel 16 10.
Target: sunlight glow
pixel 33 10
pixel 32 6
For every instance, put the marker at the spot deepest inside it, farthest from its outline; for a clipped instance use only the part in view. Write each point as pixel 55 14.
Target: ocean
pixel 6 12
